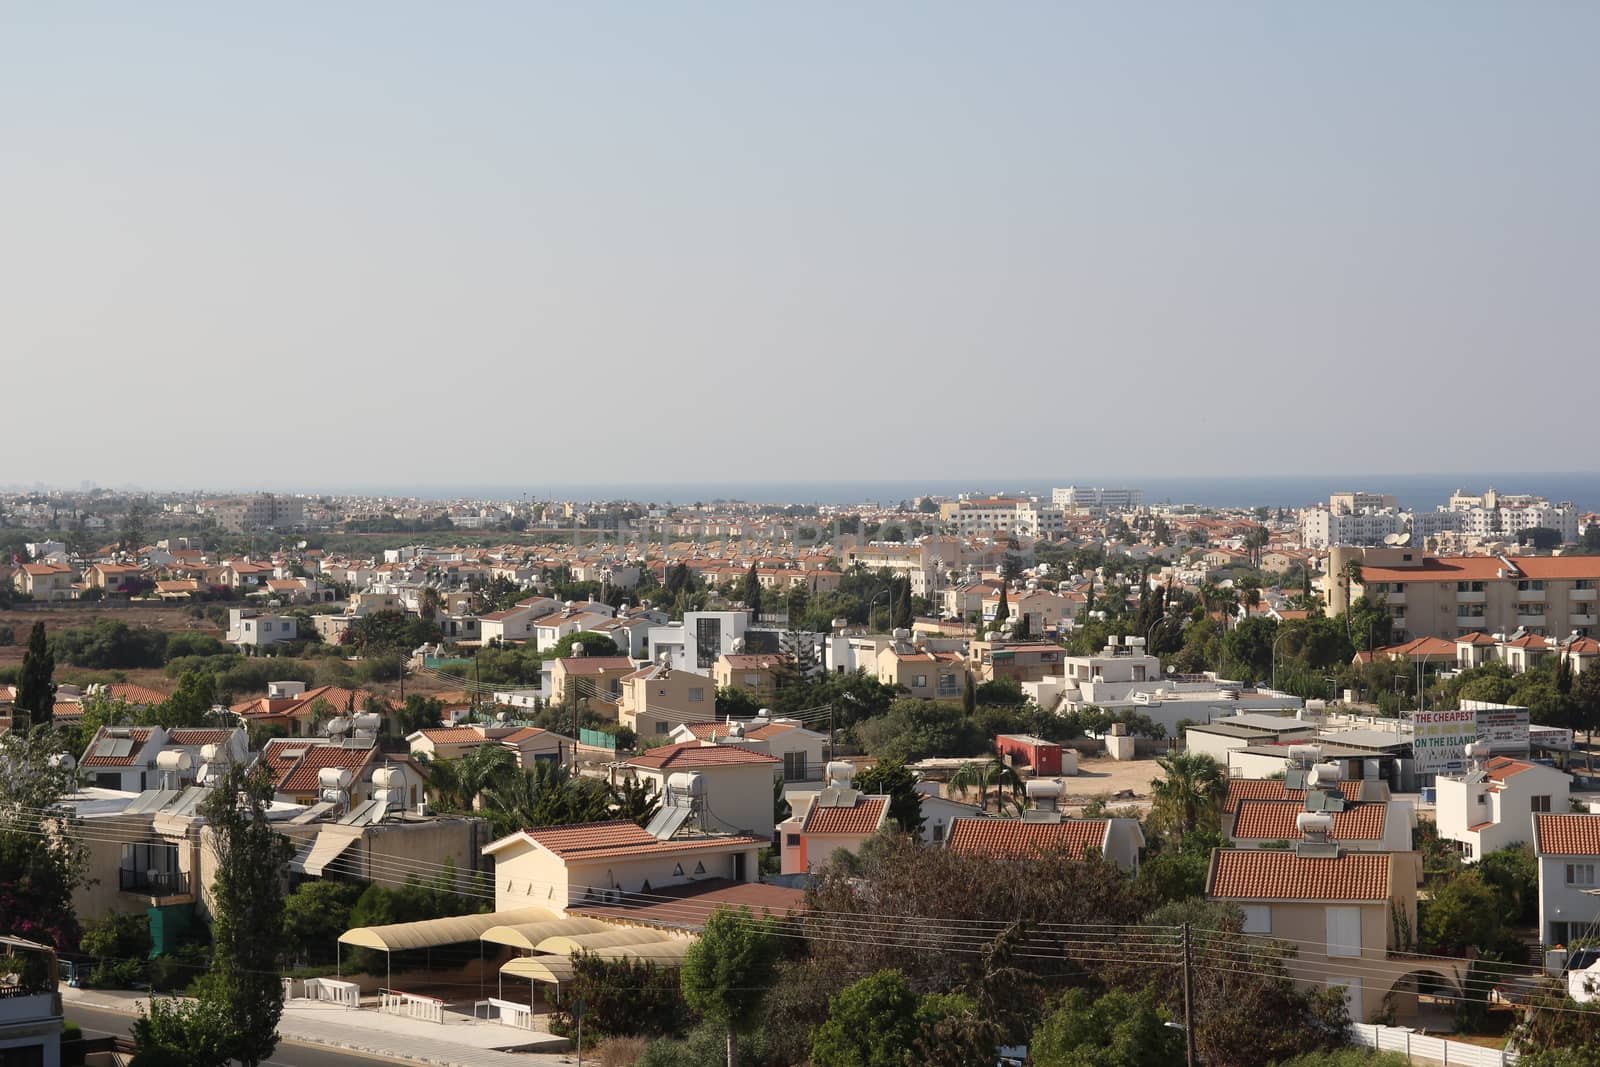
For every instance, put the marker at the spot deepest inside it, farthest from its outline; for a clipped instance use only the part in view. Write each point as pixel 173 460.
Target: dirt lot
pixel 1104 777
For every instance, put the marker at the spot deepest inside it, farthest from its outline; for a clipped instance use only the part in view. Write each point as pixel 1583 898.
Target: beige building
pixel 45 581
pixel 924 675
pixel 569 866
pixel 1343 910
pixel 597 679
pixel 1454 596
pixel 656 698
pixel 732 782
pixel 754 673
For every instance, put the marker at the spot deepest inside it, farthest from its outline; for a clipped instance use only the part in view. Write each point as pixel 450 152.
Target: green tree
pixel 41 854
pixel 1462 913
pixel 892 778
pixel 314 916
pixel 1003 611
pixel 728 971
pixel 903 613
pixel 914 729
pixel 190 704
pixel 969 695
pixel 1118 1029
pixel 996 772
pixel 752 591
pixel 35 701
pixel 546 794
pixel 182 1033
pixel 459 784
pixel 1189 794
pixel 593 644
pixel 871 1023
pixel 247 891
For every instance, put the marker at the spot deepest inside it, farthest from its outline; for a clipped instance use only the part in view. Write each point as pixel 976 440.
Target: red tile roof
pixel 139 735
pixel 1274 820
pixel 866 817
pixel 689 906
pixel 194 735
pixel 608 840
pixel 694 754
pixel 581 665
pixel 1013 838
pixel 452 735
pixel 136 694
pixel 1485 568
pixel 1500 768
pixel 301 777
pixel 1242 789
pixel 1567 835
pixel 1268 874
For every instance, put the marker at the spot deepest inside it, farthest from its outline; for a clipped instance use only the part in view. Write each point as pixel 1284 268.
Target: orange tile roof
pixel 866 817
pixel 136 694
pixel 1013 838
pixel 139 735
pixel 1502 767
pixel 1486 568
pixel 196 735
pixel 1274 820
pixel 607 840
pixel 1268 874
pixel 1242 789
pixel 580 665
pixel 1567 835
pixel 527 733
pixel 452 735
pixel 301 777
pixel 694 754
pixel 689 906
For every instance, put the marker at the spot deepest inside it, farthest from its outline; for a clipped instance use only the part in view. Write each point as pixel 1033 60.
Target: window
pixel 1469 587
pixel 752 680
pixel 1344 931
pixel 919 681
pixel 791 840
pixel 707 641
pixel 794 766
pixel 1530 585
pixel 1257 919
pixel 697 695
pixel 1541 804
pixel 661 727
pixel 1580 874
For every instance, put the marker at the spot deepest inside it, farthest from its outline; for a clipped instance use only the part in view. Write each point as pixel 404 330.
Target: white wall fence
pixel 347 994
pixel 506 1012
pixel 1420 1048
pixel 411 1005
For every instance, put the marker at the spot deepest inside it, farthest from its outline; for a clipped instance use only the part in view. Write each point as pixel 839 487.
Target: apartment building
pixel 1454 596
pixel 1075 497
pixel 263 511
pixel 1004 515
pixel 1321 527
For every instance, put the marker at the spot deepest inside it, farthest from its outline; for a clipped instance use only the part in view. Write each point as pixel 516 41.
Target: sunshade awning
pixel 567 944
pixel 427 933
pixel 328 848
pixel 550 970
pixel 527 935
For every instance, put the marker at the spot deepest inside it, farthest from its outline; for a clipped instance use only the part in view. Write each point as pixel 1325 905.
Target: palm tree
pixel 545 795
pixel 635 799
pixel 460 784
pixel 1008 789
pixel 1189 794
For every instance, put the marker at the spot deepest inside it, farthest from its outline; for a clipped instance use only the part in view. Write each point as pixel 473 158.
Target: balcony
pixel 1530 622
pixel 17 1007
pixel 1470 622
pixel 154 884
pixel 1580 619
pixel 1478 597
pixel 1397 598
pixel 1530 596
pixel 1582 594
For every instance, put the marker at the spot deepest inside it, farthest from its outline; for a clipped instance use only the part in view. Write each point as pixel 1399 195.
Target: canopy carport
pixel 430 933
pixel 551 963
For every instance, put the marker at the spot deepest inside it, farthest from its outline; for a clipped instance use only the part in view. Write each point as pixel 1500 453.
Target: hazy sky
pixel 389 243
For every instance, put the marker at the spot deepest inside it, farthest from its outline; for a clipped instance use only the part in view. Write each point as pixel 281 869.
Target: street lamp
pixel 1281 635
pixel 880 593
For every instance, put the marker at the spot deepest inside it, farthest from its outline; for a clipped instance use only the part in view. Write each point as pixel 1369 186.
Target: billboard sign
pixel 1504 726
pixel 1439 743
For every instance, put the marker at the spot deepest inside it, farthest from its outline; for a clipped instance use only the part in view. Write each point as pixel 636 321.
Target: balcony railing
pixel 1530 596
pixel 1579 618
pixel 1581 594
pixel 153 883
pixel 1471 597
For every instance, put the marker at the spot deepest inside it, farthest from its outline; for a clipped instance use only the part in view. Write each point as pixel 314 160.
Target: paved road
pixel 97 1023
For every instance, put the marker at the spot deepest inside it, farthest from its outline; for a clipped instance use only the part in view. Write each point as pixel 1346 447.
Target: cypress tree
pixel 752 592
pixel 36 692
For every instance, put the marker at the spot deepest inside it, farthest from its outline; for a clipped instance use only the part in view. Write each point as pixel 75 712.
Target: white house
pixel 1568 847
pixel 253 629
pixel 1493 806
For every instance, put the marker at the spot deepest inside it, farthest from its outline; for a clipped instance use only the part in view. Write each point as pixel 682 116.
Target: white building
pixel 1493 806
pixel 30 1022
pixel 1108 499
pixel 703 637
pixel 1568 847
pixel 252 629
pixel 1321 527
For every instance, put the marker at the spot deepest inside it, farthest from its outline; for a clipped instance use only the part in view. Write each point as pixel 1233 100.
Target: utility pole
pixel 1188 999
